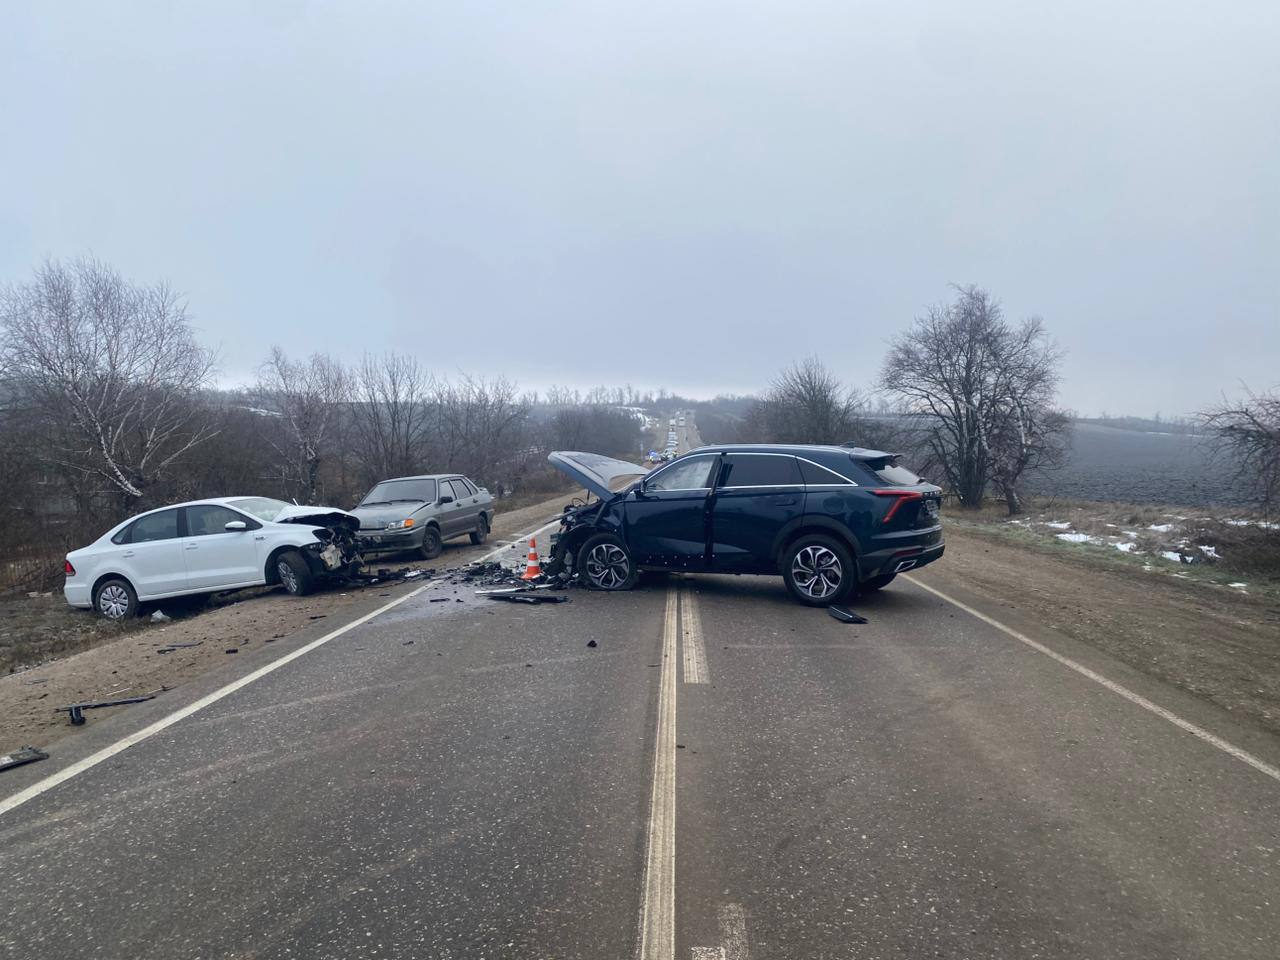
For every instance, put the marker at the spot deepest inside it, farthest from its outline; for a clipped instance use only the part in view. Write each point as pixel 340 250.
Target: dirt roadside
pixel 123 663
pixel 1219 644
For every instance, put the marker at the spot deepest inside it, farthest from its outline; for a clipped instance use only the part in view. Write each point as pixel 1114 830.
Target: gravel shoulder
pixel 125 661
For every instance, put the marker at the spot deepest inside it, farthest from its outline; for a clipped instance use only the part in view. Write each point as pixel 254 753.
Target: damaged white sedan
pixel 208 546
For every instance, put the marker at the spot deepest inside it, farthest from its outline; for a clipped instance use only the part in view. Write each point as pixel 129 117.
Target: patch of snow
pixel 1112 526
pixel 1128 546
pixel 1130 533
pixel 1264 524
pixel 1077 538
pixel 1209 552
pixel 1161 527
pixel 1058 524
pixel 1172 556
pixel 1238 586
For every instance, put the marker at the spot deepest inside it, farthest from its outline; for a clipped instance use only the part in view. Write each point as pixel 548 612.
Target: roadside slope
pixel 1218 644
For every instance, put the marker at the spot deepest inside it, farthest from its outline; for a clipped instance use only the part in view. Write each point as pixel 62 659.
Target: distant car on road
pixel 207 546
pixel 829 520
pixel 418 514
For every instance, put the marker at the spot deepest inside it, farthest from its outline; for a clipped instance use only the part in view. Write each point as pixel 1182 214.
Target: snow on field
pixel 1161 527
pixel 1058 524
pixel 1127 546
pixel 1264 524
pixel 1078 538
pixel 1211 552
pixel 1172 555
pixel 1238 586
pixel 1130 533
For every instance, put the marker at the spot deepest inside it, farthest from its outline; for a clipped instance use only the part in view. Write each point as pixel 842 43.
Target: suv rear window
pixel 888 471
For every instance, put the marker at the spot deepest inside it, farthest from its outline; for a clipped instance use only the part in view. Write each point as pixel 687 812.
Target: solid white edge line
pixel 106 753
pixel 1199 732
pixel 658 897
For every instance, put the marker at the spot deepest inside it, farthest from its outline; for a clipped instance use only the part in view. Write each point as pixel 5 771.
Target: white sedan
pixel 208 546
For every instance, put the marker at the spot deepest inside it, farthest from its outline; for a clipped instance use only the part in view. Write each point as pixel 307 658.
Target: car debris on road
pixel 75 711
pixel 21 756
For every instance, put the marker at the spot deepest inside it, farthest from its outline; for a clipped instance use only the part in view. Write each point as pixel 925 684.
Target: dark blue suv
pixel 829 520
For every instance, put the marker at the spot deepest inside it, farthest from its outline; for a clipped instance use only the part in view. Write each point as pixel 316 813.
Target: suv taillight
pixel 902 497
pixel 68 568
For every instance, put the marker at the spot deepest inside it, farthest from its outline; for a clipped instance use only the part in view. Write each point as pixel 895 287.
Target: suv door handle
pixel 784 500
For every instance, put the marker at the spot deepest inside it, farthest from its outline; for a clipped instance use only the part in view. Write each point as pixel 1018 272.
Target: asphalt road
pixel 723 775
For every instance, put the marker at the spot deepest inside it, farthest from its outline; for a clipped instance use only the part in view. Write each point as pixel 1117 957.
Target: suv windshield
pixel 389 491
pixel 263 508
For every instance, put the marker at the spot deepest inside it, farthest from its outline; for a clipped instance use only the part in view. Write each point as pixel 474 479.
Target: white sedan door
pixel 216 557
pixel 150 555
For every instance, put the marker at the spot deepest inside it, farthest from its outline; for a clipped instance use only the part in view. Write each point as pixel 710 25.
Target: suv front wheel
pixel 818 570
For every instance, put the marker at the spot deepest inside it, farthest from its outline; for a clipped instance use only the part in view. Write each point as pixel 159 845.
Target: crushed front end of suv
pixel 831 521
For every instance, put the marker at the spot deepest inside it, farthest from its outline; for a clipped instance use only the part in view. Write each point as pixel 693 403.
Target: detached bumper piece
pixel 21 756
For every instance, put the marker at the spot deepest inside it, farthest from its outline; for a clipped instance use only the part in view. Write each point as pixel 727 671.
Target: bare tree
pixel 303 401
pixel 479 427
pixel 986 390
pixel 390 413
pixel 807 403
pixel 1248 432
pixel 113 368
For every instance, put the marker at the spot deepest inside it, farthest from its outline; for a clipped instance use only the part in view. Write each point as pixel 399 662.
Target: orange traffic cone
pixel 533 568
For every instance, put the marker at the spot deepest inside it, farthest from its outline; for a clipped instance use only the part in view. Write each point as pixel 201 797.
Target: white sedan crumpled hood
pixel 318 517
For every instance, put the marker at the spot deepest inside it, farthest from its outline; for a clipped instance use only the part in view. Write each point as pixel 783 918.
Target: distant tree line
pixel 108 407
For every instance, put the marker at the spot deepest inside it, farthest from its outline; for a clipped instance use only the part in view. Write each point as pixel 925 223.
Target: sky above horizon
pixel 688 196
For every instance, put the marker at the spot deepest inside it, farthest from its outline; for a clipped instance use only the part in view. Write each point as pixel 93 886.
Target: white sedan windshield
pixel 264 508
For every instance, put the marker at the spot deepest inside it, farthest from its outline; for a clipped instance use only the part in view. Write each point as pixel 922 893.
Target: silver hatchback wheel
pixel 607 566
pixel 287 576
pixel 817 572
pixel 113 601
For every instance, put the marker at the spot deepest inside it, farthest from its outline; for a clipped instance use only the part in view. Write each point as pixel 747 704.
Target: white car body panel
pixel 180 566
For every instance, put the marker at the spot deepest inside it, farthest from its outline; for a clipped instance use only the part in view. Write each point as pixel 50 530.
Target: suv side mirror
pixel 235 526
pixel 445 498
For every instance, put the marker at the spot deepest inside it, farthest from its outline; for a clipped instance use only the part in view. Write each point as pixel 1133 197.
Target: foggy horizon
pixel 668 197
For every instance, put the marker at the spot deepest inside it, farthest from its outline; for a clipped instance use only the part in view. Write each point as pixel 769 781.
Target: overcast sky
pixel 686 195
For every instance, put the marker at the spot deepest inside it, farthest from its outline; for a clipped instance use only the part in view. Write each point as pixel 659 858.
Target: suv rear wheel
pixel 818 570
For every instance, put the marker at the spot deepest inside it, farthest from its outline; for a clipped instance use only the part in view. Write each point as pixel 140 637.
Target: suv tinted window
pixel 759 470
pixel 207 519
pixel 691 474
pixel 154 526
pixel 815 475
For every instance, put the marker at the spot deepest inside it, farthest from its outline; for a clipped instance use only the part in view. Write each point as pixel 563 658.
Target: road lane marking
pixel 1196 731
pixel 733 931
pixel 658 898
pixel 695 654
pixel 733 936
pixel 106 753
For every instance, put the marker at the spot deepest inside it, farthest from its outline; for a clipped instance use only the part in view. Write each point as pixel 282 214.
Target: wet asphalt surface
pixel 471 779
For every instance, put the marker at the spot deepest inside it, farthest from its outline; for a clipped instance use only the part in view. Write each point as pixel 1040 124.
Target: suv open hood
pixel 603 476
pixel 318 517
